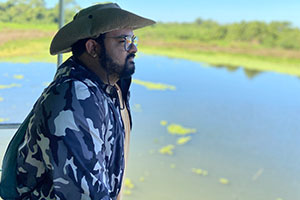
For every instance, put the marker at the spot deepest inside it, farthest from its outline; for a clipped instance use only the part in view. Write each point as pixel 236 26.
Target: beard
pixel 122 71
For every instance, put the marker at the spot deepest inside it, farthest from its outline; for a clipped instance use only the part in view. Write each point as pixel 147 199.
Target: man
pixel 76 141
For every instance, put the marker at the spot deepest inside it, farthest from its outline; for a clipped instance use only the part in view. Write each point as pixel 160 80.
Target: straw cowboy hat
pixel 93 21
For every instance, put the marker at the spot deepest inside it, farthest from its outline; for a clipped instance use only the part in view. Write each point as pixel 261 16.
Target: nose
pixel 133 48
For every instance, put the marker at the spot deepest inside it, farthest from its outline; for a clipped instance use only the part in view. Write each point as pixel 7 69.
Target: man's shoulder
pixel 70 69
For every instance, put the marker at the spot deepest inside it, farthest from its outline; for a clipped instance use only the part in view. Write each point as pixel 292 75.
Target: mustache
pixel 131 55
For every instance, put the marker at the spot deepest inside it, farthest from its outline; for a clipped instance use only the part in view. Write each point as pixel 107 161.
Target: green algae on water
pixel 10 86
pixel 183 140
pixel 167 149
pixel 176 129
pixel 18 76
pixel 154 86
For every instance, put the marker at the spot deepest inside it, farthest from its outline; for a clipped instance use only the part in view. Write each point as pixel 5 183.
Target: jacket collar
pixel 124 83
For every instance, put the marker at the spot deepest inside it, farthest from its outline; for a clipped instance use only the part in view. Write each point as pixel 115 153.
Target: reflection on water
pixel 222 134
pixel 230 68
pixel 250 73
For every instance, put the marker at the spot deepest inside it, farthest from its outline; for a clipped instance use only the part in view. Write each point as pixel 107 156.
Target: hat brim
pixel 93 25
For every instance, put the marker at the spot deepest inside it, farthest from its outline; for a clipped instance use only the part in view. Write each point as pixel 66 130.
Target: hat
pixel 93 21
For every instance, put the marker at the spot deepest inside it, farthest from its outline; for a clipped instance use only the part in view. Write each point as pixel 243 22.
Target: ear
pixel 92 48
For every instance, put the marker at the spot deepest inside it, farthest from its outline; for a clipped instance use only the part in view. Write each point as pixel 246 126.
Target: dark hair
pixel 78 48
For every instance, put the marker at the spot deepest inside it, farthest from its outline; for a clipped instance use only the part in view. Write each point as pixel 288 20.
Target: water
pixel 247 129
pixel 18 100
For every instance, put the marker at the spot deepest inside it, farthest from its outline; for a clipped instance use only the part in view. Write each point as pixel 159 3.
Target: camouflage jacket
pixel 74 143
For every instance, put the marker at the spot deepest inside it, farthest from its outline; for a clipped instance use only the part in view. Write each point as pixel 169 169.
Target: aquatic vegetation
pixel 197 171
pixel 4 119
pixel 18 76
pixel 128 183
pixel 223 181
pixel 163 122
pixel 183 140
pixel 154 86
pixel 176 129
pixel 205 173
pixel 257 174
pixel 173 166
pixel 128 186
pixel 167 149
pixel 9 86
pixel 127 192
pixel 200 171
pixel 142 179
pixel 1 98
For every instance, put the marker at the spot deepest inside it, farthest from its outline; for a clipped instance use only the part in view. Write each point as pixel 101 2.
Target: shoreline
pixel 223 59
pixel 211 59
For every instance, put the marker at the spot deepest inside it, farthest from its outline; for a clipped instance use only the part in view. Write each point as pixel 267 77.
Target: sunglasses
pixel 128 41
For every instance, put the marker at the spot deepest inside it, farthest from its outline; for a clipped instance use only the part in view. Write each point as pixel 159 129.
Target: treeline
pixel 273 34
pixel 34 11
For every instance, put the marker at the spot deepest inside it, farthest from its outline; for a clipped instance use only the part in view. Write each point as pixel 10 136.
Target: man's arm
pixel 76 123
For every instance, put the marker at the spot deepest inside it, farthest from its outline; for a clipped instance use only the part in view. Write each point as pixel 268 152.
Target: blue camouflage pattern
pixel 74 143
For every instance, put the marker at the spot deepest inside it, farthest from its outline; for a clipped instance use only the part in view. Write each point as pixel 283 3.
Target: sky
pixel 222 11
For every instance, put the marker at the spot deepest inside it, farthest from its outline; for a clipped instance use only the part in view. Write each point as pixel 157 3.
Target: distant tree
pixel 199 21
pixel 274 34
pixel 71 7
pixel 34 11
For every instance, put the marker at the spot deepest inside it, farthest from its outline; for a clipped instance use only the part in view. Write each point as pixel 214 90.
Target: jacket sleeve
pixel 72 141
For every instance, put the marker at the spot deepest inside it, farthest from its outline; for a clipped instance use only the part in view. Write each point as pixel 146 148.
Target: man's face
pixel 119 61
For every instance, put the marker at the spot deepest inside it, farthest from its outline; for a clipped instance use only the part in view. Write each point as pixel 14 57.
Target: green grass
pixel 26 51
pixel 29 26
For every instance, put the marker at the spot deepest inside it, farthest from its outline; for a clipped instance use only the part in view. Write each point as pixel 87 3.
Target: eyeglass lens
pixel 129 41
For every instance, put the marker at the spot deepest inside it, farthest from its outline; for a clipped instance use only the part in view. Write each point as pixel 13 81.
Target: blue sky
pixel 222 11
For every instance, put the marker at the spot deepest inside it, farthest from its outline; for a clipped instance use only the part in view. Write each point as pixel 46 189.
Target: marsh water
pixel 240 128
